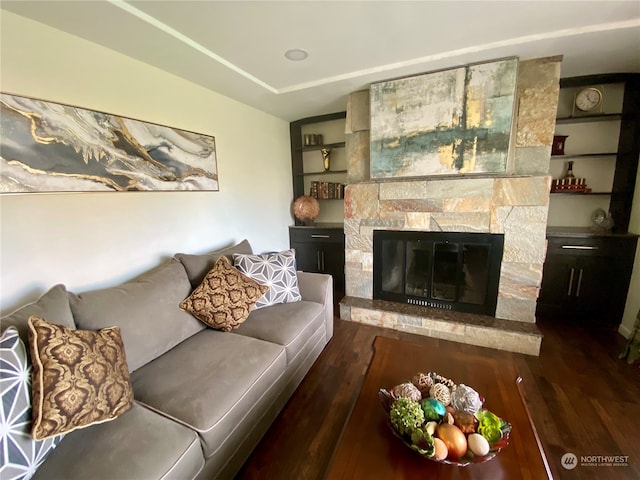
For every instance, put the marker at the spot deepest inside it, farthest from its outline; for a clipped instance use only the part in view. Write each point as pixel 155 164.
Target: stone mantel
pixel 515 204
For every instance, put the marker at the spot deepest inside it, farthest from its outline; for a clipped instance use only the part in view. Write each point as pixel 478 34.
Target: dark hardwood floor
pixel 582 398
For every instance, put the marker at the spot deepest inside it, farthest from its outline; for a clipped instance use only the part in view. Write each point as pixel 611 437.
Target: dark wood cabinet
pixel 320 249
pixel 586 276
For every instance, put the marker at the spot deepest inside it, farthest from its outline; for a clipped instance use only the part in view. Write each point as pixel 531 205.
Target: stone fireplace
pixel 514 205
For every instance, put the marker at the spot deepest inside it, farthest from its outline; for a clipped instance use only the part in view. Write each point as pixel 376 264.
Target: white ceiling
pixel 237 47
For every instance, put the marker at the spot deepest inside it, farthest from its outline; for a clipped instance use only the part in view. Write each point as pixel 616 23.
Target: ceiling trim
pixel 130 9
pixel 463 51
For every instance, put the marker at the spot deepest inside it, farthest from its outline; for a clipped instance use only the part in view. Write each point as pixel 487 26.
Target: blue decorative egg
pixel 433 409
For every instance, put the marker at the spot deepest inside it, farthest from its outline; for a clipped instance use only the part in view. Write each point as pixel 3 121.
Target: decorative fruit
pixel 440 448
pixel 454 439
pixel 433 409
pixel 407 390
pixel 478 444
pixel 489 426
pixel 406 415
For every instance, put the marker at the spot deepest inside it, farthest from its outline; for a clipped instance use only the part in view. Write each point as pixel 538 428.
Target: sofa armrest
pixel 318 287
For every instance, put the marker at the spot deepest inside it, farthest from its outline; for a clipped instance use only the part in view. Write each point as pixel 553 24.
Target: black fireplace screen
pixel 454 271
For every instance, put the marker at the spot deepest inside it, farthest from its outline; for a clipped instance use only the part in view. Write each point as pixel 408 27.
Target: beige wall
pixel 90 240
pixel 633 297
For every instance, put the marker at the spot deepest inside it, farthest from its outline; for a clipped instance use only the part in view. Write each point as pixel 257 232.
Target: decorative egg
pixel 478 444
pixel 465 421
pixel 441 451
pixel 433 409
pixel 441 392
pixel 454 439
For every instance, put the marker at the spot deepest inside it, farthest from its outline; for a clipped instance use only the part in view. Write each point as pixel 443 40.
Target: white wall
pixel 633 297
pixel 91 240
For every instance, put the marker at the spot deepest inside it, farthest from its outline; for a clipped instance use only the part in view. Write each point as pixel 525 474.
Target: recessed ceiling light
pixel 296 54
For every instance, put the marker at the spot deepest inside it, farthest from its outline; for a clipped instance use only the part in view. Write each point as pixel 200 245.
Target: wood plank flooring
pixel 582 398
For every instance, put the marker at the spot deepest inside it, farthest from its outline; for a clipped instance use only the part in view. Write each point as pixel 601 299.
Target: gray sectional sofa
pixel 203 398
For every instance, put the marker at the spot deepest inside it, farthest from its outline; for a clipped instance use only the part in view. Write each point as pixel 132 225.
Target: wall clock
pixel 588 99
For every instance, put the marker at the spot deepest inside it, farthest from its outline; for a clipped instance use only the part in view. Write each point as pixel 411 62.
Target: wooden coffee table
pixel 367 448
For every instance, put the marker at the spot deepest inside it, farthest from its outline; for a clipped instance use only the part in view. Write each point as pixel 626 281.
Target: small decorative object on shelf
pixel 306 209
pixel 570 183
pixel 557 147
pixel 312 139
pixel 326 158
pixel 444 422
pixel 601 220
pixel 326 190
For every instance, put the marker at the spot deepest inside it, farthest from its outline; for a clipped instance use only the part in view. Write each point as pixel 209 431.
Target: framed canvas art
pixel 454 121
pixel 50 147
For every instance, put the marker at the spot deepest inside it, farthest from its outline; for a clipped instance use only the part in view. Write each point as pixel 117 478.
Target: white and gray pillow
pixel 276 270
pixel 20 454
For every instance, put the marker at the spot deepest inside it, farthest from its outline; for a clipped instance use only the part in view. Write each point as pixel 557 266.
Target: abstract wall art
pixel 50 147
pixel 454 121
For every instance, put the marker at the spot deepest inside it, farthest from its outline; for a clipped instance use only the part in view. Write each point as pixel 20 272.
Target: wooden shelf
pixel 581 193
pixel 312 148
pixel 323 172
pixel 602 117
pixel 579 155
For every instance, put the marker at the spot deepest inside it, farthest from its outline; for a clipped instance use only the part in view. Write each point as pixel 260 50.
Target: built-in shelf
pixel 590 118
pixel 580 193
pixel 579 155
pixel 311 148
pixel 323 172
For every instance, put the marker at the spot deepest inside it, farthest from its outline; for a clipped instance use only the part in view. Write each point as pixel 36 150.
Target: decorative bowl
pixel 387 399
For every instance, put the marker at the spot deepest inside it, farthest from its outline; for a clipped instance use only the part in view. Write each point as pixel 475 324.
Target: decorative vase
pixel 306 209
pixel 326 158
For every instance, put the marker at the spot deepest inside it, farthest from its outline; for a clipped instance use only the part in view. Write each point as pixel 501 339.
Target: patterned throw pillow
pixel 277 271
pixel 80 377
pixel 225 297
pixel 20 454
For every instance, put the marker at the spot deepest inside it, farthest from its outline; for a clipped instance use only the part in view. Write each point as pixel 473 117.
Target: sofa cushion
pixel 197 266
pixel 225 297
pixel 276 270
pixel 289 325
pixel 53 305
pixel 146 310
pixel 20 453
pixel 137 445
pixel 211 382
pixel 80 377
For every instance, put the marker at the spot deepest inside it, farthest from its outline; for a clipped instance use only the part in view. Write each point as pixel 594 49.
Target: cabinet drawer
pixel 316 235
pixel 597 246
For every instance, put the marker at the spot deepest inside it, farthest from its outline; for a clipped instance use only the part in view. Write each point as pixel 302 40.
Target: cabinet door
pixel 332 262
pixel 593 298
pixel 558 283
pixel 307 257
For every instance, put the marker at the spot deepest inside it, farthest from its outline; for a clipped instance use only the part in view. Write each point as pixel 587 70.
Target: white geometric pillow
pixel 276 270
pixel 20 454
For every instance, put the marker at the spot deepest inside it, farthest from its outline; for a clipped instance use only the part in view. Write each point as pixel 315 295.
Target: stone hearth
pixel 514 204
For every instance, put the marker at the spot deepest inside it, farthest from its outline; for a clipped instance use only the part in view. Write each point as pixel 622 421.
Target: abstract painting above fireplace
pixel 447 270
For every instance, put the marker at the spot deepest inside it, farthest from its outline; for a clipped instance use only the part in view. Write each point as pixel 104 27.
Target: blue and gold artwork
pixel 454 121
pixel 50 147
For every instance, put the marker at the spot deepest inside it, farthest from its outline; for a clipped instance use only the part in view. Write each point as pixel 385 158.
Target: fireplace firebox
pixel 448 270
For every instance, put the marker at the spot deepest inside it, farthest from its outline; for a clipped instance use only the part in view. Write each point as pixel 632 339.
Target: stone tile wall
pixel 514 204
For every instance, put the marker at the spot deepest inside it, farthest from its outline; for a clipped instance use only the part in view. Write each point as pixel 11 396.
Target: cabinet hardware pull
pixel 570 283
pixel 579 283
pixel 318 262
pixel 322 257
pixel 320 236
pixel 579 247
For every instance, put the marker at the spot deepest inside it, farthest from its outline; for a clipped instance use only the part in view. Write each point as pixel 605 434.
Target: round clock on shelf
pixel 588 99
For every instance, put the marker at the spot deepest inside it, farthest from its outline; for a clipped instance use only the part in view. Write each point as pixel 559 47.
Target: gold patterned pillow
pixel 79 378
pixel 225 297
